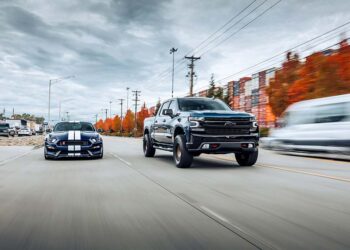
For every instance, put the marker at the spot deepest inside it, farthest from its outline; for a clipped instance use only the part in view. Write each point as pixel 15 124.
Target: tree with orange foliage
pixel 141 116
pixel 117 123
pixel 99 124
pixel 279 85
pixel 108 125
pixel 129 121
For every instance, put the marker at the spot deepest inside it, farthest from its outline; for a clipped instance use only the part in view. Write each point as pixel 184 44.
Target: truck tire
pixel 182 158
pixel 148 149
pixel 247 159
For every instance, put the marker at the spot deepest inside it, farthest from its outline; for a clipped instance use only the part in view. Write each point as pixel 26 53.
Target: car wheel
pixel 247 159
pixel 148 149
pixel 101 155
pixel 182 158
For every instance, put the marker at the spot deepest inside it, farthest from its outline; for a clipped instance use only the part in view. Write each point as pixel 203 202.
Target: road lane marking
pixel 305 172
pixel 13 158
pixel 248 237
pixel 289 170
pixel 121 159
pixel 214 214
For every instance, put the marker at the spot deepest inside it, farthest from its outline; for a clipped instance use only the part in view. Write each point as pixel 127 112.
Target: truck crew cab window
pixel 165 106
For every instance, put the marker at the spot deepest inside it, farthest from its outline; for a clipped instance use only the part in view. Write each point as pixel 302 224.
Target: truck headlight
pixel 195 121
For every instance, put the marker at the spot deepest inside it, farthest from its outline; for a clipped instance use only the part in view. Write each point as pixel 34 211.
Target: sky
pixel 109 45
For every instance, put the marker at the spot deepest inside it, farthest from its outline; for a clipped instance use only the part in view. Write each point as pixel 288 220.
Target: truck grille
pixel 227 126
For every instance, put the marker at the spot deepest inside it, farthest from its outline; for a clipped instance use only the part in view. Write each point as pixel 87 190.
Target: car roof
pixel 319 102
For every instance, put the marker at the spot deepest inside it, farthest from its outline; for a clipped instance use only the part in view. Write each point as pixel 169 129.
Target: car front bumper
pixel 221 144
pixel 91 151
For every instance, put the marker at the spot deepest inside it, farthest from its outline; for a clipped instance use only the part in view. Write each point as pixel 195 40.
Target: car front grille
pixel 75 143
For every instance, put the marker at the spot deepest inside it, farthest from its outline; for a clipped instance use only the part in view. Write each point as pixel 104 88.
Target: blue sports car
pixel 73 139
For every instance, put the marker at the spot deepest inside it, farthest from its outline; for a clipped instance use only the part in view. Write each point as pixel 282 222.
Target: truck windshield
pixel 66 126
pixel 201 104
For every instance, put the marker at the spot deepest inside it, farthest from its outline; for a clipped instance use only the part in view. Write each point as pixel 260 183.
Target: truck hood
pixel 220 114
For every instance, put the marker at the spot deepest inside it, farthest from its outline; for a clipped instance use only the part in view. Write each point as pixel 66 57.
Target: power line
pixel 243 27
pixel 282 53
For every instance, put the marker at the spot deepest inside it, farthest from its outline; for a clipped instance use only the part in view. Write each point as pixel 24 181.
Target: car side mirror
pixel 99 130
pixel 168 112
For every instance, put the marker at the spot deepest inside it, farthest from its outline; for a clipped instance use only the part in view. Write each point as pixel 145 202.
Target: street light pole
pixel 52 81
pixel 172 51
pixel 127 98
pixel 110 109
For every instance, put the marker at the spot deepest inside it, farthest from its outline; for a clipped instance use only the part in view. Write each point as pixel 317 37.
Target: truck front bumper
pixel 221 144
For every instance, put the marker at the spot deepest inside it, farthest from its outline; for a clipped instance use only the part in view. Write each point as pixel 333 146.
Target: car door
pixel 158 127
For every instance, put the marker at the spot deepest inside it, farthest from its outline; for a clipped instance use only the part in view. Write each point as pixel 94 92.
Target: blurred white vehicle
pixel 24 131
pixel 318 126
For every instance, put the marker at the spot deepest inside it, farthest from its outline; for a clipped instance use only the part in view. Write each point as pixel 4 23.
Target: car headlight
pixel 93 140
pixel 53 140
pixel 195 121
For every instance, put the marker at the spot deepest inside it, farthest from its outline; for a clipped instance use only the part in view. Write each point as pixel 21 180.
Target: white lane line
pixel 121 159
pixel 13 158
pixel 214 214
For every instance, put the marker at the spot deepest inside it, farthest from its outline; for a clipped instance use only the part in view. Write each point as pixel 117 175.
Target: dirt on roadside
pixel 35 140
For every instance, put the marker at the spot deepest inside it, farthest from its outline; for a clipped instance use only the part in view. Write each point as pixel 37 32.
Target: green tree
pixel 211 90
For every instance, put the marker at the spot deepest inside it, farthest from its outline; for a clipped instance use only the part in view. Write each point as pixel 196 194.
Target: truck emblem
pixel 229 124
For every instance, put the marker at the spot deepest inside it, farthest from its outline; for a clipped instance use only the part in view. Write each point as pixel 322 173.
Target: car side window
pixel 173 106
pixel 165 106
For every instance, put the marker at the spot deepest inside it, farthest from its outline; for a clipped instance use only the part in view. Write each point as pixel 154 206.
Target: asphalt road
pixel 126 201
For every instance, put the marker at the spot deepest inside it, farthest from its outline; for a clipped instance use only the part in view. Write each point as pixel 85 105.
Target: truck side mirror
pixel 168 112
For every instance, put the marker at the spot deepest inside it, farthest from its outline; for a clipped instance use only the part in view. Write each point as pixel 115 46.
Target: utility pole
pixel 67 113
pixel 121 114
pixel 96 115
pixel 172 51
pixel 127 98
pixel 191 73
pixel 136 93
pixel 59 110
pixel 105 110
pixel 110 109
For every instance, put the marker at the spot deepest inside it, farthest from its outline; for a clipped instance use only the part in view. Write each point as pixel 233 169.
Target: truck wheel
pixel 182 158
pixel 247 159
pixel 148 149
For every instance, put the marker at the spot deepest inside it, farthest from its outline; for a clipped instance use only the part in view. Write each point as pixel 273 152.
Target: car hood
pixel 220 114
pixel 74 135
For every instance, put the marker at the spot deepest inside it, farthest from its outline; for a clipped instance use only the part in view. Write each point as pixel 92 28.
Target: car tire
pixel 148 149
pixel 247 159
pixel 101 155
pixel 182 158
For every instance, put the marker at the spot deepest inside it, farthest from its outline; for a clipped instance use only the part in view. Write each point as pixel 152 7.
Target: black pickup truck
pixel 191 126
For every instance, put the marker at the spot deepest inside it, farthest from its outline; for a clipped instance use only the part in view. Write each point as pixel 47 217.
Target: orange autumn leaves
pixel 126 125
pixel 322 74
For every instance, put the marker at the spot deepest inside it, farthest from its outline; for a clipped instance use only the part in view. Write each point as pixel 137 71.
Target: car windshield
pixel 67 126
pixel 188 104
pixel 4 126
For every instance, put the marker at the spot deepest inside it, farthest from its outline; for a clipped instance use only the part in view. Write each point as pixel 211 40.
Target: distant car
pixel 315 126
pixel 24 132
pixel 73 139
pixel 4 129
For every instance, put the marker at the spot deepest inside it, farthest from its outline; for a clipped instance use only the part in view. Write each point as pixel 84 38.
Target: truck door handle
pixel 155 121
pixel 164 120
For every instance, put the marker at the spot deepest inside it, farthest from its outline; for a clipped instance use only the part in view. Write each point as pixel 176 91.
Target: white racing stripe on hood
pixel 77 135
pixel 70 135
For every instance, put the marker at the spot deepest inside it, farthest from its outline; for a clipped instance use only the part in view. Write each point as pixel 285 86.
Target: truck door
pixel 159 124
pixel 169 126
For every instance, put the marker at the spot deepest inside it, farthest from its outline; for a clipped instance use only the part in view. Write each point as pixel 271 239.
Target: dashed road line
pixel 222 221
pixel 3 162
pixel 290 170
